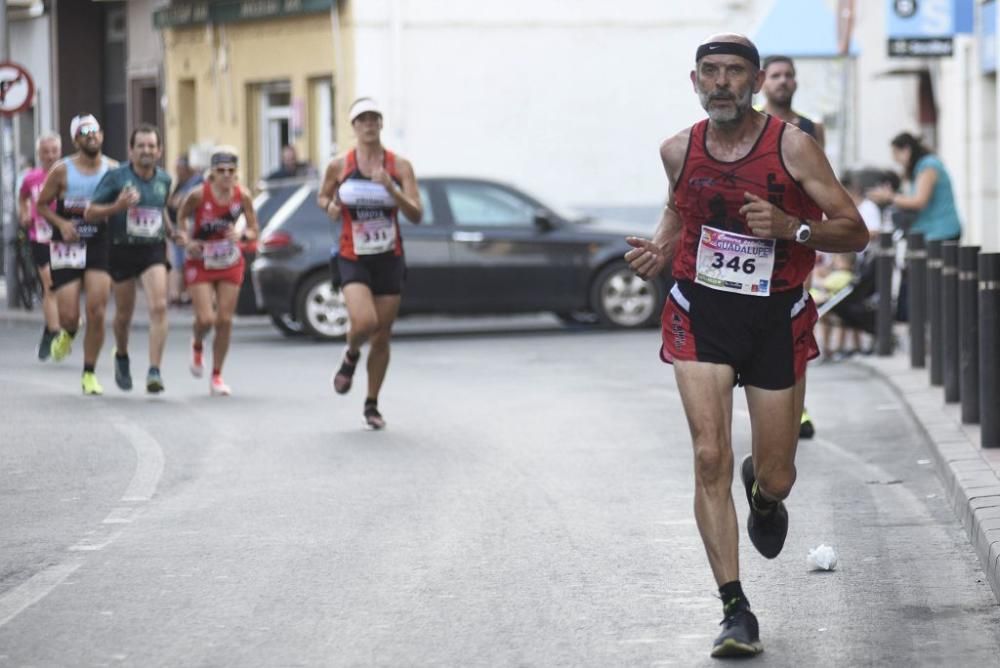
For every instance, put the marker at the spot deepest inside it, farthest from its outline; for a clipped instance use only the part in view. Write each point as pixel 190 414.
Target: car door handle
pixel 468 237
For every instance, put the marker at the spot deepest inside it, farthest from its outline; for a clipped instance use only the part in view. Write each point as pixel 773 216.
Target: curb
pixel 176 318
pixel 969 473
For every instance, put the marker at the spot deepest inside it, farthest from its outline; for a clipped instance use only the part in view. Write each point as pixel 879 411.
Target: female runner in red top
pixel 214 266
pixel 364 189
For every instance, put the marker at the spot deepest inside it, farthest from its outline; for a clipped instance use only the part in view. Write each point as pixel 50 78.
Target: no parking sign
pixel 17 90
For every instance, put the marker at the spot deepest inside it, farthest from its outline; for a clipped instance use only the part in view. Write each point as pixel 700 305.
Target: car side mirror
pixel 544 220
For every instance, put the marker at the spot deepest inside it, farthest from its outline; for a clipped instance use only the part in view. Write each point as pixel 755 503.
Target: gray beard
pixel 727 117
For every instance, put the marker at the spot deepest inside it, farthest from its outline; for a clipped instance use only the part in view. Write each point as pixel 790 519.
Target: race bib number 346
pixel 735 262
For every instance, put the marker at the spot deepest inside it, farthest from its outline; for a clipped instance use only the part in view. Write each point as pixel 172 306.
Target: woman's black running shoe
pixel 373 419
pixel 345 374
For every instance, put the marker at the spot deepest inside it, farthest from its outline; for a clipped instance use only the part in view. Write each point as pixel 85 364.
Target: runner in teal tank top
pixel 133 199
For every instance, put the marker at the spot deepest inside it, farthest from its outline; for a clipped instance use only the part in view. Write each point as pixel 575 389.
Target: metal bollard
pixel 949 321
pixel 883 277
pixel 968 328
pixel 934 310
pixel 916 288
pixel 989 349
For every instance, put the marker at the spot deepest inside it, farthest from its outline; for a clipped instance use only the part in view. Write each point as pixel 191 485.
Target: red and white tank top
pixel 369 214
pixel 716 247
pixel 212 223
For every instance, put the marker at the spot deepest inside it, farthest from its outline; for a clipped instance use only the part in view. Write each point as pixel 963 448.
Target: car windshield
pixel 562 211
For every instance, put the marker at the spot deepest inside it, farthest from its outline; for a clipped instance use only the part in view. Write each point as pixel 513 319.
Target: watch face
pixel 803 233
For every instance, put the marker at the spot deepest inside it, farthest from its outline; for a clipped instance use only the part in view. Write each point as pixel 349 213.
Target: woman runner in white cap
pixel 364 189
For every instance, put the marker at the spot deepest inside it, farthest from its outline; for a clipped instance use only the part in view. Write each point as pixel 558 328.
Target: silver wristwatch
pixel 804 231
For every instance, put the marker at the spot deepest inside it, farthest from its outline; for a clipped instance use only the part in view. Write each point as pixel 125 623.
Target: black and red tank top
pixel 212 219
pixel 709 192
pixel 369 214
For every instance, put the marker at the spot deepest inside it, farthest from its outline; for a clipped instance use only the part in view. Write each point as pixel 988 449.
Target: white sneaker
pixel 218 388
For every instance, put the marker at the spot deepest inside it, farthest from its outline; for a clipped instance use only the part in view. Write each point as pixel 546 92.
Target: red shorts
pixel 767 340
pixel 195 272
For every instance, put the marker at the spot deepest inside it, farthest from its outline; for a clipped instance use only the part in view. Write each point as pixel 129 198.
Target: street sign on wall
pixel 17 90
pixel 926 28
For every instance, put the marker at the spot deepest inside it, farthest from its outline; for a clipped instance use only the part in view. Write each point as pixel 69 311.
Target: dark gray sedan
pixel 483 247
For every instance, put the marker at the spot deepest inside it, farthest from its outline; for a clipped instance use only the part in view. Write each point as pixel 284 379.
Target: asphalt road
pixel 529 504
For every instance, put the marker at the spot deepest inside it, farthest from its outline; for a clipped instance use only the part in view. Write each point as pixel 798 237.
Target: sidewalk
pixel 971 474
pixel 181 316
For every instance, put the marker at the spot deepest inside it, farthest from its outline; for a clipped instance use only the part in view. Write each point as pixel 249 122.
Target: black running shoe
pixel 767 531
pixel 123 375
pixel 806 428
pixel 45 346
pixel 740 635
pixel 373 419
pixel 345 374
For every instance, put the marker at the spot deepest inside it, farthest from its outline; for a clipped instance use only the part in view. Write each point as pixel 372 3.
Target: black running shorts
pixel 98 249
pixel 132 260
pixel 40 254
pixel 383 273
pixel 766 340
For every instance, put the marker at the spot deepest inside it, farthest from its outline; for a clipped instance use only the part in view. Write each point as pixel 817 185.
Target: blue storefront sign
pixel 988 37
pixel 926 27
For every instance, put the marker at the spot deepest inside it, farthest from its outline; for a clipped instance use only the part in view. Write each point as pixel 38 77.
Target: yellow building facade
pixel 255 76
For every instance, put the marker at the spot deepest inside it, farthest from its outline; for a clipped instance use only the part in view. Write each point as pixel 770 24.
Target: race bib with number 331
pixel 735 262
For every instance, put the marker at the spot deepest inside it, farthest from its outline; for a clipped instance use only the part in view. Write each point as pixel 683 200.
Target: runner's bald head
pixel 729 43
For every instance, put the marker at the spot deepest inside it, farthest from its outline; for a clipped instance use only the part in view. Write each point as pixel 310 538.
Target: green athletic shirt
pixel 140 224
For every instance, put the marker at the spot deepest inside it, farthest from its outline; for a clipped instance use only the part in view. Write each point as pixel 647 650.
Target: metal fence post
pixel 934 310
pixel 883 277
pixel 968 318
pixel 949 321
pixel 916 289
pixel 989 349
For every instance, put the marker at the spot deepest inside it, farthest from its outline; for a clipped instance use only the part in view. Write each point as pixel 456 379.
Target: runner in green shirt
pixel 134 199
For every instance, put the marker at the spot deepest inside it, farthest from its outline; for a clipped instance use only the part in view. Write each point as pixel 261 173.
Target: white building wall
pixel 30 46
pixel 145 50
pixel 887 103
pixel 568 100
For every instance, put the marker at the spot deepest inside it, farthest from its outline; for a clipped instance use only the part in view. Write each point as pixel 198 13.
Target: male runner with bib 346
pixel 364 189
pixel 744 219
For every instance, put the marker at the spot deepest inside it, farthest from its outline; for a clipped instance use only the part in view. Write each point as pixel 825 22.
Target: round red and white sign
pixel 17 90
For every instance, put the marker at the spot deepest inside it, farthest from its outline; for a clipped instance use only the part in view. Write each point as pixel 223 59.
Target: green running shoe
pixel 61 346
pixel 90 384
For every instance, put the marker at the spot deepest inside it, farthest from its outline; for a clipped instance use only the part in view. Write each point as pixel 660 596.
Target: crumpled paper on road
pixel 822 558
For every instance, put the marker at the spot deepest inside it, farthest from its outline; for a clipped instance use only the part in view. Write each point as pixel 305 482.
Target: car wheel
pixel 321 308
pixel 622 299
pixel 287 324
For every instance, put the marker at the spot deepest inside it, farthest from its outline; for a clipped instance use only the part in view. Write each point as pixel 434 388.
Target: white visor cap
pixel 363 105
pixel 82 121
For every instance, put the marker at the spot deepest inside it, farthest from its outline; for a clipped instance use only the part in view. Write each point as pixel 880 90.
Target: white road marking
pixel 148 469
pixel 148 464
pixel 35 588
